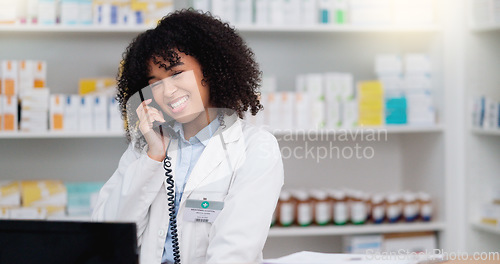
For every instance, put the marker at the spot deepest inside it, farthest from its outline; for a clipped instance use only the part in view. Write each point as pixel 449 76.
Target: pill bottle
pixel 357 204
pixel 394 207
pixel 410 207
pixel 286 209
pixel 303 208
pixel 340 209
pixel 322 207
pixel 424 200
pixel 378 208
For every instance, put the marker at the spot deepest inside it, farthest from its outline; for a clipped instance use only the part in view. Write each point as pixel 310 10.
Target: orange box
pixel 57 112
pixel 40 74
pixel 9 116
pixel 8 77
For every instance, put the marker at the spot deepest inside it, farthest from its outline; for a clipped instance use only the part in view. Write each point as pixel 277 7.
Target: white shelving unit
pixel 241 28
pixel 485 28
pixel 480 131
pixel 482 149
pixel 355 230
pixel 486 228
pixel 411 158
pixel 56 134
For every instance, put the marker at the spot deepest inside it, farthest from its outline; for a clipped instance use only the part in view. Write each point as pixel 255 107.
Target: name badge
pixel 202 211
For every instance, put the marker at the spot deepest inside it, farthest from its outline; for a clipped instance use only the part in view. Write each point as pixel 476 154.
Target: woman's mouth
pixel 179 104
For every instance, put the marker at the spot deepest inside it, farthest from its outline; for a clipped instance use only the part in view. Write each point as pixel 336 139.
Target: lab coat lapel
pixel 214 153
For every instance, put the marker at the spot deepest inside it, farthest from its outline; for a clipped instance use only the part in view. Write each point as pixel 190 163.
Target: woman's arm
pixel 130 191
pixel 240 231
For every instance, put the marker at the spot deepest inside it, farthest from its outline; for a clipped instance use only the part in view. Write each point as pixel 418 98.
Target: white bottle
pixel 425 206
pixel 394 207
pixel 410 209
pixel 322 207
pixel 340 209
pixel 378 208
pixel 304 208
pixel 358 212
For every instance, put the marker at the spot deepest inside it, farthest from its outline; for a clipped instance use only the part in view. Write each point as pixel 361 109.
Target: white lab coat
pixel 241 166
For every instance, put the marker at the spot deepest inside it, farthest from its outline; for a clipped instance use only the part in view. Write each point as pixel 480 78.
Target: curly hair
pixel 227 63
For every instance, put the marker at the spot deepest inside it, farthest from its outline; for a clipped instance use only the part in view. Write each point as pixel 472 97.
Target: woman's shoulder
pixel 253 132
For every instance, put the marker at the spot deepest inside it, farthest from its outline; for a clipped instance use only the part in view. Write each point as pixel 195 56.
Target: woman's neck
pixel 201 121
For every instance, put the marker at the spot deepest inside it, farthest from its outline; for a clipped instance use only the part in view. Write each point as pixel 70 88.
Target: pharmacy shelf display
pixel 358 130
pixel 355 230
pixel 241 28
pixel 482 144
pixel 407 161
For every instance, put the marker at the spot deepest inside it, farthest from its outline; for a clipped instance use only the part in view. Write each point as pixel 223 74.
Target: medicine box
pixel 34 110
pixel 360 244
pixel 8 77
pixel 40 74
pixel 490 214
pixel 71 109
pixel 26 76
pixel 86 114
pixel 115 117
pixel 47 12
pixel 10 194
pixel 9 108
pixel 410 242
pixel 69 10
pixel 100 113
pixel 370 100
pixel 43 193
pixel 316 94
pixel 79 196
pixel 57 112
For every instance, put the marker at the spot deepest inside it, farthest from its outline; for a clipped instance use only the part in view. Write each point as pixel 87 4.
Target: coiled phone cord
pixel 167 165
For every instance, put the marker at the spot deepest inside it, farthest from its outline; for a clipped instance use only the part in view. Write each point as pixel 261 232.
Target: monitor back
pixel 54 242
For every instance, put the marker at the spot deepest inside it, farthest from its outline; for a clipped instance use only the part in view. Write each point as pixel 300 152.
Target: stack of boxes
pixel 34 110
pixel 47 199
pixel 8 95
pixel 389 70
pixel 23 84
pixel 486 113
pixel 418 85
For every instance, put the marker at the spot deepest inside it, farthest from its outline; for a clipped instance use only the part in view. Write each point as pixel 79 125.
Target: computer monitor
pixel 54 242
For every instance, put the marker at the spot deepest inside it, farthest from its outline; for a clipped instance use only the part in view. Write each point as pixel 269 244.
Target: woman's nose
pixel 168 89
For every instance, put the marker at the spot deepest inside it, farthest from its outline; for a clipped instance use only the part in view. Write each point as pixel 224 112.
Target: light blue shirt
pixel 187 155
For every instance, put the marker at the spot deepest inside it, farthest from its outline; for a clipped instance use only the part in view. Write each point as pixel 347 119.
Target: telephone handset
pixel 167 166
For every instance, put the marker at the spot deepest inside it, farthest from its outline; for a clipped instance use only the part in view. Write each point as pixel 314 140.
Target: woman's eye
pixel 176 73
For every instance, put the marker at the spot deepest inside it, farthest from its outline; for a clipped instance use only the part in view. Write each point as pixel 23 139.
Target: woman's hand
pixel 156 143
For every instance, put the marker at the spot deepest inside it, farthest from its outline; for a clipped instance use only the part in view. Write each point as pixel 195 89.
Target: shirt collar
pixel 202 136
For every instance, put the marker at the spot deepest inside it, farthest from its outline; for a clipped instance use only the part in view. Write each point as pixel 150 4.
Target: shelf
pixel 18 135
pixel 355 229
pixel 487 228
pixel 361 130
pixel 492 132
pixel 241 28
pixel 485 28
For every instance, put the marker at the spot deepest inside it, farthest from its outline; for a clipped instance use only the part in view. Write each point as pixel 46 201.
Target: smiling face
pixel 178 89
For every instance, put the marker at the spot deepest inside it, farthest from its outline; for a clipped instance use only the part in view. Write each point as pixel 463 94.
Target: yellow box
pixel 43 193
pixel 10 194
pixel 92 85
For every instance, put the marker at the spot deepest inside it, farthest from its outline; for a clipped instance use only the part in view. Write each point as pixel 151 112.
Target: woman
pixel 202 75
